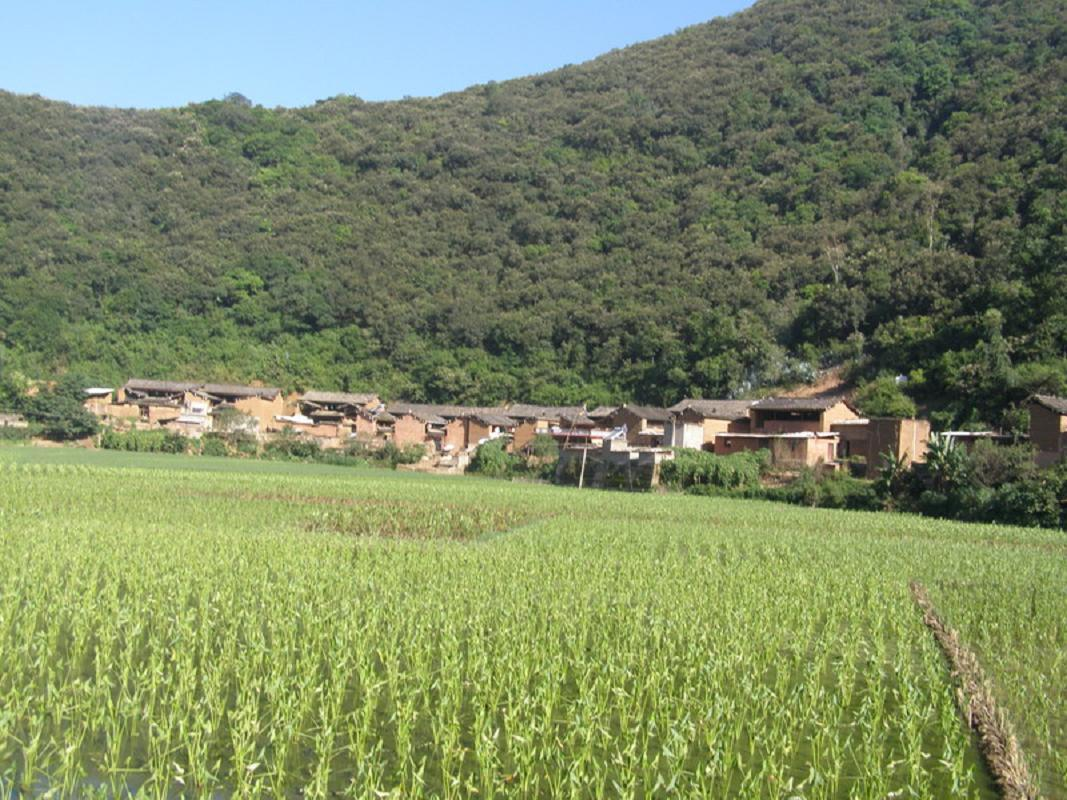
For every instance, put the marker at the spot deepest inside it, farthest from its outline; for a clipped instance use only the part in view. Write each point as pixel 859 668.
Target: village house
pixel 602 415
pixel 1048 428
pixel 451 428
pixel 422 424
pixel 694 423
pixel 532 420
pixel 156 402
pixel 356 410
pixel 580 429
pixel 259 405
pixel 484 426
pixel 97 400
pixel 852 434
pixel 194 421
pixel 799 414
pixel 645 425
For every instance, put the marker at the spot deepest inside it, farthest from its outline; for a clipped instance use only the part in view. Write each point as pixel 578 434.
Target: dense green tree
pixel 726 208
pixel 883 397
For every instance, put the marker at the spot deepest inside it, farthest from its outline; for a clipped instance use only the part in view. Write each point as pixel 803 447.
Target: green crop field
pixel 176 627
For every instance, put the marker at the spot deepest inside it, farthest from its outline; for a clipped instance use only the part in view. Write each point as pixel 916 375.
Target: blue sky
pixel 153 54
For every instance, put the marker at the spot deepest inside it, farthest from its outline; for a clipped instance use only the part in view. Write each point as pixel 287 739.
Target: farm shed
pixel 612 465
pixel 695 422
pixel 800 414
pixel 1048 428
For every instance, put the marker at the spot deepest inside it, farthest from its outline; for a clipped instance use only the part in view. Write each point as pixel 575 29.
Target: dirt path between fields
pixel 996 740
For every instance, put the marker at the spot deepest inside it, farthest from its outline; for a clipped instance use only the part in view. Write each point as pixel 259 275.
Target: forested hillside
pixel 804 184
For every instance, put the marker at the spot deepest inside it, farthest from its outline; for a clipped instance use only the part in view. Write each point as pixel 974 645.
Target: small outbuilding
pixel 1048 428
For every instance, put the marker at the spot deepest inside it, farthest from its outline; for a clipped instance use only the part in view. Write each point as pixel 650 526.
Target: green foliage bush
pixel 59 417
pixel 883 397
pixel 693 468
pixel 836 490
pixel 213 445
pixel 989 483
pixel 492 460
pixel 153 441
pixel 292 446
pixel 12 434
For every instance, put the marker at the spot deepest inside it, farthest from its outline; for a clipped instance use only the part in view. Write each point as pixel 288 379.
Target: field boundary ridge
pixel 974 696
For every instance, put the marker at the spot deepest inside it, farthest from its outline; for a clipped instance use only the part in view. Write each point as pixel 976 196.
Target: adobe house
pixel 97 399
pixel 787 450
pixel 261 404
pixel 906 439
pixel 853 438
pixel 726 444
pixel 414 423
pixel 336 406
pixel 694 422
pixel 579 429
pixel 482 426
pixel 1048 428
pixel 531 421
pixel 800 414
pixel 157 402
pixel 602 415
pixel 645 425
pixel 797 450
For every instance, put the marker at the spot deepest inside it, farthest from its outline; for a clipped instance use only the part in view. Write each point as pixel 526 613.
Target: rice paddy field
pixel 179 627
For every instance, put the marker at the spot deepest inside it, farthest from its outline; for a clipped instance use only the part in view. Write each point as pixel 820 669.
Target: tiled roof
pixel 494 419
pixel 527 411
pixel 602 411
pixel 729 410
pixel 423 410
pixel 650 413
pixel 1051 402
pixel 238 390
pixel 339 398
pixel 798 403
pixel 170 387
